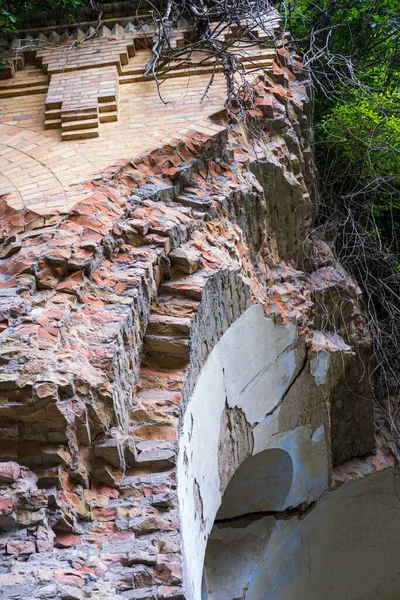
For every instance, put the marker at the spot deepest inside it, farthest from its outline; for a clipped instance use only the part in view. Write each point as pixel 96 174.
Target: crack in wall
pixel 291 384
pixel 300 512
pixel 256 378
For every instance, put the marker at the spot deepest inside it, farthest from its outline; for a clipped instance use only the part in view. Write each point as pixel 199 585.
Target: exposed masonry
pixel 235 443
pixel 107 316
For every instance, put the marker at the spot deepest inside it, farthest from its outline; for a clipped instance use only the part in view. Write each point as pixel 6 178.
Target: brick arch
pixel 46 177
pixel 234 414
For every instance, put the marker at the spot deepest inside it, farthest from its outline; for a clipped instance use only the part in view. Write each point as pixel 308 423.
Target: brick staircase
pixel 134 71
pixel 81 81
pixel 79 121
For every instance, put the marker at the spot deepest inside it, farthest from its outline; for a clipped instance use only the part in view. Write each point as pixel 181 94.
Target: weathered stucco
pixel 346 547
pixel 250 369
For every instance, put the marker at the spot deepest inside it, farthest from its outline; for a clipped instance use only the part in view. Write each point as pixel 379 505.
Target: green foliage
pixel 352 51
pixel 363 32
pixel 364 137
pixel 370 120
pixel 14 12
pixel 23 7
pixel 7 22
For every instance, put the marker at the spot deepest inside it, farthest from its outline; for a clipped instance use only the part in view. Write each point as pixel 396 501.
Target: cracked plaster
pixel 346 547
pixel 251 368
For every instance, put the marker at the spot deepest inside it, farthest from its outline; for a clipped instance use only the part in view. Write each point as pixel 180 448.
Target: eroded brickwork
pixel 110 307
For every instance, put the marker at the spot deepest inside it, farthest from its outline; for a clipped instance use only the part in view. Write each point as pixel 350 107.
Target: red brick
pixel 103 513
pixel 66 540
pixel 7 506
pixel 9 472
pixel 20 547
pixel 72 577
pixel 10 283
pixel 72 284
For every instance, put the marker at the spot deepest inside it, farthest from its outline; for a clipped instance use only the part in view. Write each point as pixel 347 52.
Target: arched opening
pixel 237 454
pixel 345 547
pixel 259 486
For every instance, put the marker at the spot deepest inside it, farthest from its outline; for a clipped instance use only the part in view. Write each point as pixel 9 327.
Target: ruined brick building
pixel 185 402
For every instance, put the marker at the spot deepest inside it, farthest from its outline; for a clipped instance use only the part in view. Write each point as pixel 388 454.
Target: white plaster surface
pixel 320 366
pixel 258 363
pixel 251 368
pixel 260 484
pixel 308 452
pixel 346 548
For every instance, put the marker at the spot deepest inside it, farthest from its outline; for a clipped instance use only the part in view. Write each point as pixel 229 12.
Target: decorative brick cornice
pixel 81 75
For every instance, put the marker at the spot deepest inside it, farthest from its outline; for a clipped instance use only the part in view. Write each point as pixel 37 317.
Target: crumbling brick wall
pixel 108 311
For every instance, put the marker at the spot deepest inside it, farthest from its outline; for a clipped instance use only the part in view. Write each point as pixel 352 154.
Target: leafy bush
pixel 13 12
pixel 352 50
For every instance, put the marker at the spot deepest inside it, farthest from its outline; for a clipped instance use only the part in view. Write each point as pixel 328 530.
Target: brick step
pixel 135 67
pixel 154 416
pixel 107 98
pixel 52 123
pixel 79 125
pixel 264 38
pixel 157 456
pixel 79 115
pixel 168 326
pixel 264 63
pixel 157 379
pixel 158 399
pixel 23 91
pixel 150 445
pixel 52 113
pixel 166 345
pixel 154 432
pixel 75 66
pixel 108 117
pixel 14 84
pixel 258 61
pixel 191 286
pixel 79 134
pixel 177 43
pixel 161 360
pixel 106 107
pixel 53 105
pixel 174 305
